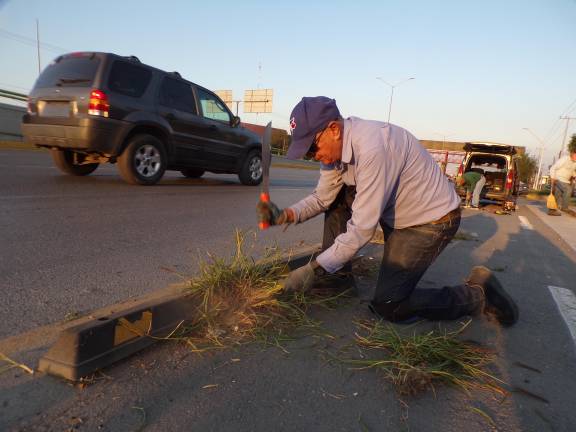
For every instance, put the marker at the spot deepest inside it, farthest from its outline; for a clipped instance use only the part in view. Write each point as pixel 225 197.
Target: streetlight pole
pixel 392 86
pixel 38 46
pixel 536 184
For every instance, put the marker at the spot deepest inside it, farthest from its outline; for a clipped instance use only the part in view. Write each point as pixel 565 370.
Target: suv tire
pixel 251 171
pixel 64 160
pixel 192 172
pixel 143 161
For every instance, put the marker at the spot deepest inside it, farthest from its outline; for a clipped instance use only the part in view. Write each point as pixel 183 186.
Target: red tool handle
pixel 265 198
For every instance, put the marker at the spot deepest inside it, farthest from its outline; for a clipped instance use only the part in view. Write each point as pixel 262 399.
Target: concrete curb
pixel 112 334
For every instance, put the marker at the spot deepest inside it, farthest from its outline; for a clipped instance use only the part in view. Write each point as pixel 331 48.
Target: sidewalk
pixel 564 226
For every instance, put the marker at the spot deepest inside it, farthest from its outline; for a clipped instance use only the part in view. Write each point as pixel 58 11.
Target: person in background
pixel 561 174
pixel 474 183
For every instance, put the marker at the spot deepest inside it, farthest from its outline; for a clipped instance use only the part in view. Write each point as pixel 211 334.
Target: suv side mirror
pixel 235 121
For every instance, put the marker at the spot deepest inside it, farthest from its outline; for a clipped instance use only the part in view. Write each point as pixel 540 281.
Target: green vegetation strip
pixel 414 362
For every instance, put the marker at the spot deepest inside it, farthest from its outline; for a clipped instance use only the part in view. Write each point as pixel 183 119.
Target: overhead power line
pixel 570 108
pixel 556 127
pixel 31 41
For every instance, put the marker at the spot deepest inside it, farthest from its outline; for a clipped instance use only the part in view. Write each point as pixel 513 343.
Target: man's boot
pixel 498 301
pixel 554 212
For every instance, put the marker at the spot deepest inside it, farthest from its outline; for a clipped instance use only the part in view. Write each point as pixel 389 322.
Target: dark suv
pixel 90 108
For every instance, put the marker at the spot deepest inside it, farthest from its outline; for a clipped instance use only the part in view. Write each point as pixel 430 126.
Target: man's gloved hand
pixel 269 212
pixel 303 278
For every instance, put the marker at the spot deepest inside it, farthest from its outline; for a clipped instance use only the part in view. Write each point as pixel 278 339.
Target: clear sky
pixel 483 69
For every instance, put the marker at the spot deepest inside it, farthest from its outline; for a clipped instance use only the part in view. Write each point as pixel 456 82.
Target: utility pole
pixel 565 133
pixel 536 183
pixel 392 87
pixel 38 45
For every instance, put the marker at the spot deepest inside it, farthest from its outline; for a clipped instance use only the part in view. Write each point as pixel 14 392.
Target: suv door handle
pixel 213 128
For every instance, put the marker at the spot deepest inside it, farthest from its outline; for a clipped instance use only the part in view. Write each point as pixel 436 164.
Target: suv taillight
pixel 509 180
pixel 98 104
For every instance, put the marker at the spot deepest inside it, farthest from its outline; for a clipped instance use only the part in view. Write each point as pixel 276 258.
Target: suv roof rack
pixel 177 74
pixel 133 58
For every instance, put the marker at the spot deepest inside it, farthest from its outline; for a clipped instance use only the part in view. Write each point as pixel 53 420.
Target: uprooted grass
pixel 415 362
pixel 461 235
pixel 240 299
pixel 11 364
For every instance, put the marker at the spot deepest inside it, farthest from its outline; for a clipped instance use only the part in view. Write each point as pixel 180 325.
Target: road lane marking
pixel 566 302
pixel 525 224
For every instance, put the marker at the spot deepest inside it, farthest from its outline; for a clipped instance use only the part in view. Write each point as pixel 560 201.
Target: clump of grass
pixel 11 364
pixel 71 316
pixel 240 299
pixel 499 269
pixel 415 362
pixel 461 235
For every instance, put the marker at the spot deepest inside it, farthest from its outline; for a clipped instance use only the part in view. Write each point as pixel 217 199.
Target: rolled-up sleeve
pixel 317 202
pixel 373 189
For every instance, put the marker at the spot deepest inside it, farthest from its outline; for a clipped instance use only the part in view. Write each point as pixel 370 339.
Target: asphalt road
pixel 73 244
pixel 255 388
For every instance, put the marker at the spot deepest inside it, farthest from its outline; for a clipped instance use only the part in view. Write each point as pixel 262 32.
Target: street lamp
pixel 536 184
pixel 392 86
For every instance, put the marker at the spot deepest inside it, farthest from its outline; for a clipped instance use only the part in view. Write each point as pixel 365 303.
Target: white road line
pixel 566 302
pixel 525 224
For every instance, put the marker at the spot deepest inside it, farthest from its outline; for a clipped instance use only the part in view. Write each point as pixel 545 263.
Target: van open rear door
pixel 489 147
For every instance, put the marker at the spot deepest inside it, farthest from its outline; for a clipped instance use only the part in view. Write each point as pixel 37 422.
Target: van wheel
pixel 251 172
pixel 65 161
pixel 143 161
pixel 192 172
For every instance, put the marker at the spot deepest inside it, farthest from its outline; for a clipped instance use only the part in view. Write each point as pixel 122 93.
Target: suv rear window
pixel 128 79
pixel 69 71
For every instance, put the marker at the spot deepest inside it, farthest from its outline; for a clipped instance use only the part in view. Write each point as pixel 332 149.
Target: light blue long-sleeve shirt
pixel 397 182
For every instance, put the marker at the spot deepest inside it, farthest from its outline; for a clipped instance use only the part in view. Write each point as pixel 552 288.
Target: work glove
pixel 269 212
pixel 303 278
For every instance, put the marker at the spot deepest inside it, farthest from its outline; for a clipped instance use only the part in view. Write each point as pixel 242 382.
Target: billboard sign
pixel 258 100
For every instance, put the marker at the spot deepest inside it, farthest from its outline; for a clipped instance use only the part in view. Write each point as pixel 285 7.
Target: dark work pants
pixel 562 193
pixel 408 253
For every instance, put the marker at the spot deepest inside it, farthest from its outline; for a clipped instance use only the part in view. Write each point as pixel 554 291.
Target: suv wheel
pixel 192 172
pixel 143 161
pixel 251 172
pixel 64 160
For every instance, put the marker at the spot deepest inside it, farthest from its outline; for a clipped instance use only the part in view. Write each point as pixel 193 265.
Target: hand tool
pixel 266 160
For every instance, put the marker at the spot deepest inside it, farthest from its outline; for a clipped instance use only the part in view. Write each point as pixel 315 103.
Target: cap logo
pixel 292 123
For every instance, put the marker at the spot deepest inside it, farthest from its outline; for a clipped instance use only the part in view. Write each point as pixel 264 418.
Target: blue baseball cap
pixel 309 116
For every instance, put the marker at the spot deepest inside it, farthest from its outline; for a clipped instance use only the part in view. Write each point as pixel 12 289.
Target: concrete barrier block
pixel 107 338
